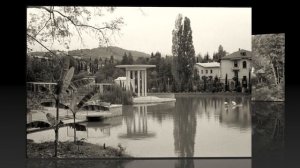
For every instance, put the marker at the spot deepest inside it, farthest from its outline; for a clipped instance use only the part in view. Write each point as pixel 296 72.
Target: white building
pixel 121 81
pixel 236 64
pixel 208 69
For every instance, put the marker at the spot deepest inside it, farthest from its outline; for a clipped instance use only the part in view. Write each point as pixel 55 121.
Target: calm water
pixel 194 126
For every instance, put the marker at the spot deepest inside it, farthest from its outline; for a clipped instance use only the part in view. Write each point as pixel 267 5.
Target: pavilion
pixel 138 72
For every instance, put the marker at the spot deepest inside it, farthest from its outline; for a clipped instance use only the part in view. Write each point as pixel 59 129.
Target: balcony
pixel 235 68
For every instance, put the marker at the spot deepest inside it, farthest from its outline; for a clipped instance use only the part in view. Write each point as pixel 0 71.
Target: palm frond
pixel 53 104
pixel 80 83
pixel 73 104
pixel 86 98
pixel 67 79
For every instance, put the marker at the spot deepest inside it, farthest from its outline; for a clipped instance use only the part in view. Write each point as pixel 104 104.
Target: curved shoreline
pixel 69 149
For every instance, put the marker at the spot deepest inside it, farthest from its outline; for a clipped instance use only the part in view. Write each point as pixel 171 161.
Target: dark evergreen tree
pixel 124 59
pixel 130 58
pixel 226 84
pixel 112 60
pixel 183 51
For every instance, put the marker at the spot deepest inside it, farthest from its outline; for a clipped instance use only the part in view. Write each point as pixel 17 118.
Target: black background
pixel 267 17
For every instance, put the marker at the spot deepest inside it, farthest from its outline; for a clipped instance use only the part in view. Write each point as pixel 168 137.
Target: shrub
pixel 34 101
pixel 116 95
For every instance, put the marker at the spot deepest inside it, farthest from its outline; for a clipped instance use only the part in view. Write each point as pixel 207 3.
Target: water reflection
pixel 268 133
pixel 166 163
pixel 199 126
pixel 136 123
pixel 210 127
pixel 161 112
pixel 236 116
pixel 94 129
pixel 185 126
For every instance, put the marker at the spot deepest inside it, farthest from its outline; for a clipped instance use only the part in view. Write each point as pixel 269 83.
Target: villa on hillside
pixel 208 69
pixel 236 64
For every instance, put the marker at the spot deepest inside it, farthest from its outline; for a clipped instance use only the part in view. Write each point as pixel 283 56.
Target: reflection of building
pixel 136 123
pixel 236 64
pixel 94 129
pixel 237 116
pixel 208 69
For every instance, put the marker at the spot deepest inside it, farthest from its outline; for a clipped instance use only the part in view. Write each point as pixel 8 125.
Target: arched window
pixel 244 64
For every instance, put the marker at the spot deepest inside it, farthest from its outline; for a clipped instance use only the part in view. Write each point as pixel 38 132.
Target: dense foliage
pixel 183 53
pixel 116 95
pixel 268 62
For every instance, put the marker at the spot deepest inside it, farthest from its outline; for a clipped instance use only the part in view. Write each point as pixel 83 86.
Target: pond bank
pixel 212 94
pixel 70 150
pixel 172 95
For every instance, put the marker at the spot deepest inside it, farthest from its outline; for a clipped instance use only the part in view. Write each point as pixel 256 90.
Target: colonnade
pixel 136 80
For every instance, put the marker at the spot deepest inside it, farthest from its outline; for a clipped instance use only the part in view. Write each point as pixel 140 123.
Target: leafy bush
pixel 116 95
pixel 239 89
pixel 34 101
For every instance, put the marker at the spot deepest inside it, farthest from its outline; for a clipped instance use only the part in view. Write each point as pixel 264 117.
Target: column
pixel 143 83
pixel 127 79
pixel 101 89
pixel 133 81
pixel 139 81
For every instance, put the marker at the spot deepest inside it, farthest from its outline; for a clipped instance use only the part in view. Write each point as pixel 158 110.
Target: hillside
pixel 103 52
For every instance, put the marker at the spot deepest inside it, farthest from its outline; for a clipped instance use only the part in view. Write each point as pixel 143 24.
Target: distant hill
pixel 102 52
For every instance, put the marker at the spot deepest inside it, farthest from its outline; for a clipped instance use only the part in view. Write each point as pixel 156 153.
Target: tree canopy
pixel 184 53
pixel 49 24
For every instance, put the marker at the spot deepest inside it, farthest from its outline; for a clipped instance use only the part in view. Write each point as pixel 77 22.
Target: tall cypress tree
pixel 176 51
pixel 183 51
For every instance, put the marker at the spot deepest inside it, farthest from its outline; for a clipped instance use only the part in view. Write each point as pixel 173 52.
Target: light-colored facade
pixel 236 64
pixel 136 78
pixel 121 81
pixel 208 69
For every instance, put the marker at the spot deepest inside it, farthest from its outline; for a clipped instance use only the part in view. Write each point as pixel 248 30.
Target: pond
pixel 268 123
pixel 193 126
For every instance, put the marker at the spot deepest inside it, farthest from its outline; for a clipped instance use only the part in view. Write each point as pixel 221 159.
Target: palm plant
pixel 66 86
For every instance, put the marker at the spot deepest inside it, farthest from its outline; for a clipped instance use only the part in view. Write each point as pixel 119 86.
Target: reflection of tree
pixel 268 120
pixel 185 126
pixel 268 131
pixel 186 163
pixel 90 130
pixel 161 111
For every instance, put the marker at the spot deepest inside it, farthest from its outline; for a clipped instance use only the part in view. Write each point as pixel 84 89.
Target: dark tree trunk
pixel 56 127
pixel 74 128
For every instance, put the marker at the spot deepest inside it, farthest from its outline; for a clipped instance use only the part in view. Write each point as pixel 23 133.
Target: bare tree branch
pixel 44 25
pixel 43 46
pixel 72 21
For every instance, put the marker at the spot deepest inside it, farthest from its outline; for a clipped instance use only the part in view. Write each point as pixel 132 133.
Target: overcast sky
pixel 150 29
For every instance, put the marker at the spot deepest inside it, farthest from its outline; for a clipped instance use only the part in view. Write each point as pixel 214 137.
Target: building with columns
pixel 136 78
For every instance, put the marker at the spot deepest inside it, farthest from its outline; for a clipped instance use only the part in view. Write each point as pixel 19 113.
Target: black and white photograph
pixel 146 82
pixel 268 67
pixel 268 94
